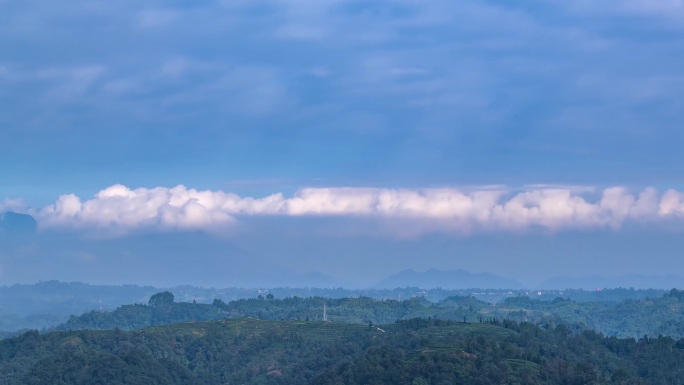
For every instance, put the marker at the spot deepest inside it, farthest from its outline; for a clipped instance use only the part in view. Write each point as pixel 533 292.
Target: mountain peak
pixel 11 222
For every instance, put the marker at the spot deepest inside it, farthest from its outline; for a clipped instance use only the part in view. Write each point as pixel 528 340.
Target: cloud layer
pixel 122 209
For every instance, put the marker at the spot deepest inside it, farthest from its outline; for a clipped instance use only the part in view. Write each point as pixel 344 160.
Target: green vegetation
pixel 47 304
pixel 266 340
pixel 414 351
pixel 63 299
pixel 161 299
pixel 132 317
pixel 631 318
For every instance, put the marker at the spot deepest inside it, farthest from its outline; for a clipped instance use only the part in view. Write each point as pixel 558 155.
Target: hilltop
pixel 662 315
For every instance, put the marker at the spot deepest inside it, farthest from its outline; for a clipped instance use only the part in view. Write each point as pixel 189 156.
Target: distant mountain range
pixel 14 223
pixel 447 279
pixel 461 279
pixel 594 282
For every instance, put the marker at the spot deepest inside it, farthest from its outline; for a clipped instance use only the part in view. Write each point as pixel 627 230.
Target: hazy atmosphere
pixel 336 143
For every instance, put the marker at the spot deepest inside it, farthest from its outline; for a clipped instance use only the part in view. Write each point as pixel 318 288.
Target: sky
pixel 236 142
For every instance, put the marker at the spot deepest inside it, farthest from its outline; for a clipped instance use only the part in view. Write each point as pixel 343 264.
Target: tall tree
pixel 164 298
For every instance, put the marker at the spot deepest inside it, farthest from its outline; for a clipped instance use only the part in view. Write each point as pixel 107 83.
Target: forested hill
pixel 415 351
pixel 662 315
pixel 348 310
pixel 47 304
pixel 631 318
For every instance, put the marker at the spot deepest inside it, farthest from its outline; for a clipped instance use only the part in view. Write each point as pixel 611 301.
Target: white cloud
pixel 15 205
pixel 672 204
pixel 121 209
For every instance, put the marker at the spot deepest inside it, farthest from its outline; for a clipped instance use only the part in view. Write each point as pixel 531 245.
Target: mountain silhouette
pixel 15 223
pixel 447 279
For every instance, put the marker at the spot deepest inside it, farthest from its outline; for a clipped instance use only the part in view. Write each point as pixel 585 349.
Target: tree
pixel 164 298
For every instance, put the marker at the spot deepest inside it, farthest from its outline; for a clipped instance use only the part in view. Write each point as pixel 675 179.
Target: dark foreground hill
pixel 416 351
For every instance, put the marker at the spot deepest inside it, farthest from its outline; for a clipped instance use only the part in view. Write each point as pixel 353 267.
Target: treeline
pixel 132 317
pixel 349 310
pixel 346 310
pixel 663 315
pixel 49 303
pixel 631 318
pixel 414 351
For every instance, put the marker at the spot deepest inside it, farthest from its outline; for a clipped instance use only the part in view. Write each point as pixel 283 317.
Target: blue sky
pixel 394 128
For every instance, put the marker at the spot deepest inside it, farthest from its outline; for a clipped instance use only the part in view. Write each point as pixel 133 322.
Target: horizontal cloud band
pixel 121 208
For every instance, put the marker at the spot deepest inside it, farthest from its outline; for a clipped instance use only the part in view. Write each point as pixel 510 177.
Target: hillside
pixel 347 310
pixel 416 351
pixel 47 304
pixel 663 315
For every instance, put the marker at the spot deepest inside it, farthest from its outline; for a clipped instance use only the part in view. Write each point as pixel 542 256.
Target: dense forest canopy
pixel 413 351
pixel 270 340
